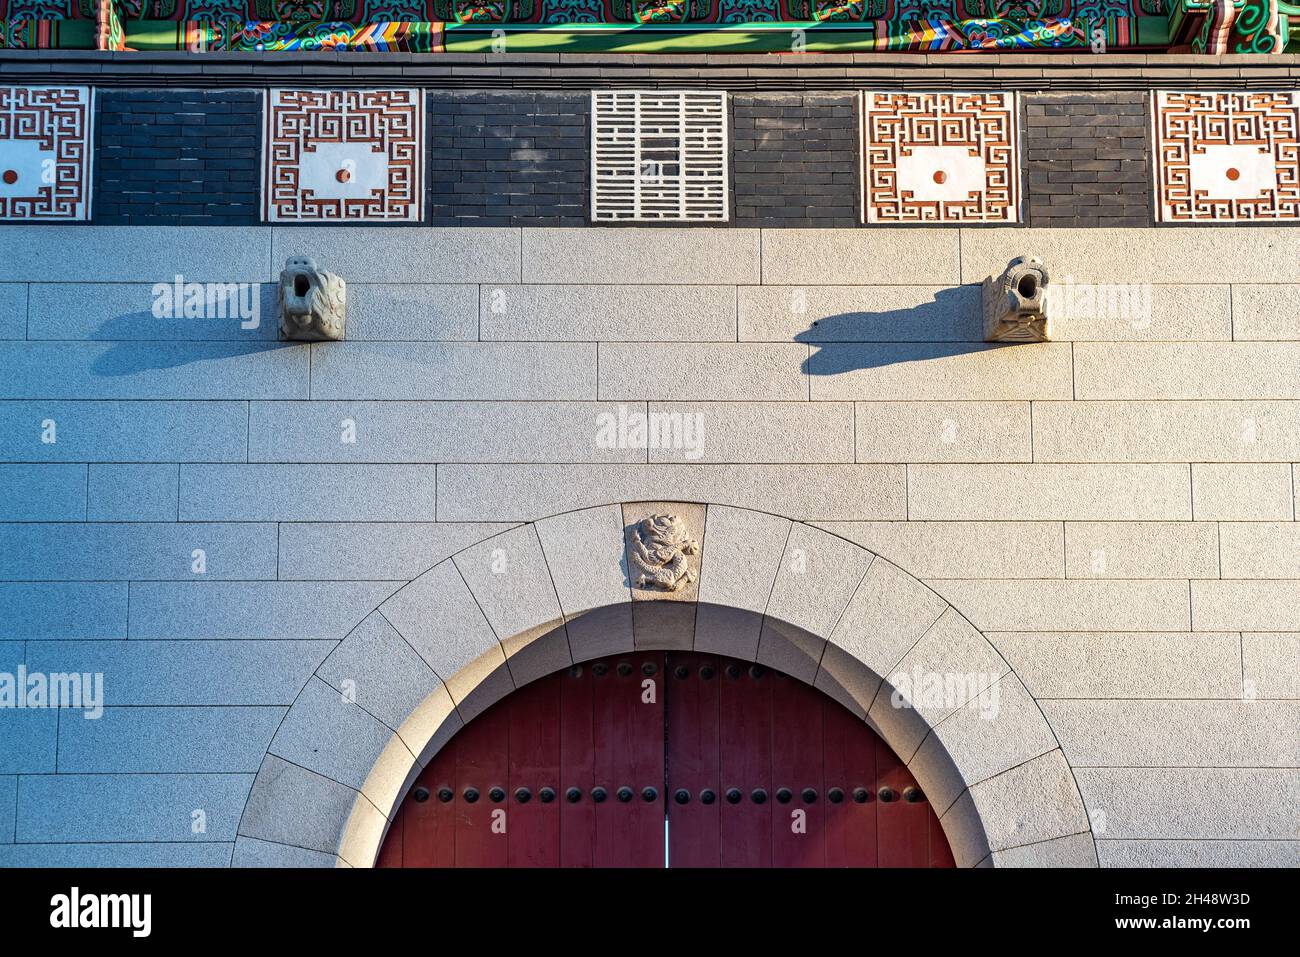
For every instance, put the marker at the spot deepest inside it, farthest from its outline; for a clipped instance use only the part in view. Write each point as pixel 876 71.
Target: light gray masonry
pixel 281 556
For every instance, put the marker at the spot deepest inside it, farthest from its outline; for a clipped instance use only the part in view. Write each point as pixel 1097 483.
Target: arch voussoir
pixel 535 598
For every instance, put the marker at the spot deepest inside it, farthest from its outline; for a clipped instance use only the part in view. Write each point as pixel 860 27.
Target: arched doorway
pixel 653 759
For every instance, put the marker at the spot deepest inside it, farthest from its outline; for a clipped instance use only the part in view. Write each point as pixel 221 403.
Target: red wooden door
pixel 742 766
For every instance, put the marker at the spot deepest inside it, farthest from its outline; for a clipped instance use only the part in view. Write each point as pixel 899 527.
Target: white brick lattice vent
pixel 658 155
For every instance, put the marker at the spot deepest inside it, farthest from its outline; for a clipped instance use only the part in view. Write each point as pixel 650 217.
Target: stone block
pixel 1053 808
pixel 734 432
pixel 818 574
pixel 1077 850
pixel 1186 370
pixel 419 432
pixel 1141 550
pixel 262 610
pixel 861 256
pixel 1269 664
pixel 377 254
pixel 939 371
pixel 945 670
pixel 159 854
pixel 942 432
pixel 201 740
pixel 79 254
pixel 584 553
pixel 153 370
pixel 62 611
pixel 511 583
pixel 1001 729
pixel 386 678
pixel 962 549
pixel 292 805
pixel 1166 431
pixel 125 311
pixel 422 312
pixel 132 493
pixel 222 672
pixel 42 493
pixel 1259 549
pixel 1178 254
pixel 1079 493
pixel 1242 493
pixel 74 808
pixel 1266 311
pixel 608 313
pixel 699 256
pixel 1046 605
pixel 56 551
pixel 13 310
pixel 1195 803
pixel 440 619
pixel 379 551
pixel 1161 734
pixel 250 852
pixel 1203 853
pixel 312 493
pixel 524 492
pixel 1124 664
pixel 454 370
pixel 30 738
pixel 124 431
pixel 326 733
pixel 819 313
pixel 1245 605
pixel 753 371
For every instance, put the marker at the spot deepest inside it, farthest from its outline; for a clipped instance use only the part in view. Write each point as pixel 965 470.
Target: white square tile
pixel 45 153
pixel 1226 157
pixel 343 156
pixel 940 158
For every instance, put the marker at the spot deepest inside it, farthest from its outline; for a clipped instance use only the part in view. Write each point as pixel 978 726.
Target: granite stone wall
pixel 1115 510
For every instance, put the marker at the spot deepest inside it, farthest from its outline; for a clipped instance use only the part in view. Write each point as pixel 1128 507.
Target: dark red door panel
pixel 694 834
pixel 746 761
pixel 850 750
pixel 798 814
pixel 533 818
pixel 429 814
pixel 902 819
pixel 582 768
pixel 629 759
pixel 482 772
pixel 577 768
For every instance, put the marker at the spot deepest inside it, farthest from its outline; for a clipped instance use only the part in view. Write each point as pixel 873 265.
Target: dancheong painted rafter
pixel 641 26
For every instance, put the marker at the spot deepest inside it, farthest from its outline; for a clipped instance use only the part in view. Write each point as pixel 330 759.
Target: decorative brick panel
pixel 1227 157
pixel 1088 159
pixel 795 159
pixel 343 156
pixel 508 158
pixel 940 158
pixel 177 157
pixel 45 153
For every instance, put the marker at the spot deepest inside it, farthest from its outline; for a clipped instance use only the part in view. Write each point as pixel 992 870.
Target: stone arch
pixel 534 599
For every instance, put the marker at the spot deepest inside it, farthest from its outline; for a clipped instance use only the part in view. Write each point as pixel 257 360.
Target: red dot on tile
pixel 344 175
pixel 1233 173
pixel 11 176
pixel 940 176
